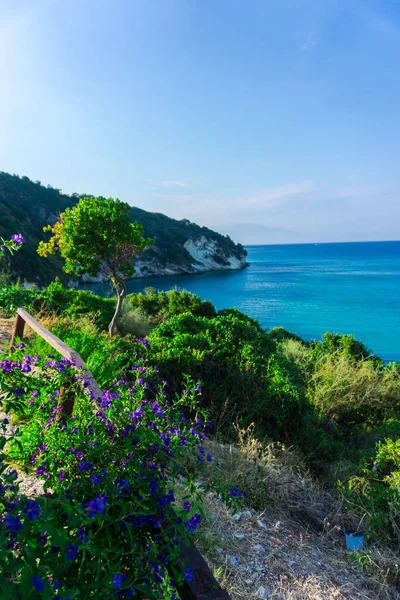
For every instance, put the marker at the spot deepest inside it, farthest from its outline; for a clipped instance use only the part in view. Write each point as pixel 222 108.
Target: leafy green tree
pixel 97 236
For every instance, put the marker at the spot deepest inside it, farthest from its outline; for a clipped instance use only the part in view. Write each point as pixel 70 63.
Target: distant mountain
pixel 179 246
pixel 256 233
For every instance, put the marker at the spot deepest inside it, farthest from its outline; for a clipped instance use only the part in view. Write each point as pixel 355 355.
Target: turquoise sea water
pixel 309 289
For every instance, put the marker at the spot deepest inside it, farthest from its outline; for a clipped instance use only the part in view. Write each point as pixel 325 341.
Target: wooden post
pixel 18 331
pixel 66 400
pixel 203 586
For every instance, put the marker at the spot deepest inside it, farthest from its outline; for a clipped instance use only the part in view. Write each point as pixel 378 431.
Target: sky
pixel 274 121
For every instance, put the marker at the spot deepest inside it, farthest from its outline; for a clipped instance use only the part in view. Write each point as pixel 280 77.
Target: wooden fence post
pixel 18 330
pixel 66 400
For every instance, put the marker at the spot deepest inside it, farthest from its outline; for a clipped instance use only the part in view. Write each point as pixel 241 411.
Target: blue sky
pixel 272 120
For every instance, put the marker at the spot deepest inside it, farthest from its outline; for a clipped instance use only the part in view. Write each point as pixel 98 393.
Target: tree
pixel 97 236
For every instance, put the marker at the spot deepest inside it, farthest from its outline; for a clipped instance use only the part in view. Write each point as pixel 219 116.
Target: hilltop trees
pixel 97 236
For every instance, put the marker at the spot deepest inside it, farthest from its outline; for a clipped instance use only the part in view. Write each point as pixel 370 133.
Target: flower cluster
pixel 108 518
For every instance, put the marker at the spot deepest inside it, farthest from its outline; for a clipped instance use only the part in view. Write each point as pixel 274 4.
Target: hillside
pixel 179 246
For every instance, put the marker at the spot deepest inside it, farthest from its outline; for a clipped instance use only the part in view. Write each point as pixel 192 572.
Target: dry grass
pixel 288 544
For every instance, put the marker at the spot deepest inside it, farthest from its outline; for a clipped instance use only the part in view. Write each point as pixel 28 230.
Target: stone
pixel 263 592
pixel 233 561
pixel 237 516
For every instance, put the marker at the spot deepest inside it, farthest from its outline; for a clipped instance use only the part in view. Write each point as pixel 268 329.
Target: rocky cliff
pixel 179 246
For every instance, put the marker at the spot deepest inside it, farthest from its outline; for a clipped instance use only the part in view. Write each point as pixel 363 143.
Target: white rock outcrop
pixel 206 255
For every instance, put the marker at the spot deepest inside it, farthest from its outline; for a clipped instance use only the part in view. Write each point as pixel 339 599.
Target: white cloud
pixel 176 183
pixel 308 45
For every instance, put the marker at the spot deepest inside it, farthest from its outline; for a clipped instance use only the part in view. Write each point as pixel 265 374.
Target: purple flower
pixel 234 492
pixel 117 581
pixel 96 505
pixel 187 506
pixel 96 478
pixel 32 510
pixel 167 499
pixel 38 584
pixel 188 574
pixel 209 457
pixel 13 523
pixel 82 535
pixel 17 238
pixel 193 522
pixel 71 552
pixel 5 421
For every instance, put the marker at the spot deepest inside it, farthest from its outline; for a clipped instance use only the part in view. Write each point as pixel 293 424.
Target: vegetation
pixel 104 522
pixel 27 206
pixel 333 403
pixel 96 236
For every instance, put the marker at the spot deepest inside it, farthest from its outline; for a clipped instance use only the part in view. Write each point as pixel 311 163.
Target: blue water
pixel 309 289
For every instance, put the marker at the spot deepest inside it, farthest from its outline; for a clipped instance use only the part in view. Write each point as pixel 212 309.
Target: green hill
pixel 179 246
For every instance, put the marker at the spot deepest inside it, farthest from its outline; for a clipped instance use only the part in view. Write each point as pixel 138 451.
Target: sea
pixel 308 289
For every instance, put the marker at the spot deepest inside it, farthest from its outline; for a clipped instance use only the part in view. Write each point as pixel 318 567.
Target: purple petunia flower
pixel 117 581
pixel 17 238
pixel 209 457
pixel 188 574
pixel 82 535
pixel 71 552
pixel 193 522
pixel 234 492
pixel 187 506
pixel 13 523
pixel 38 584
pixel 32 510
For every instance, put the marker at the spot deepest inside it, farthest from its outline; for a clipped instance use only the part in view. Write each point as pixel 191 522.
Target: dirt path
pixel 268 556
pixel 6 326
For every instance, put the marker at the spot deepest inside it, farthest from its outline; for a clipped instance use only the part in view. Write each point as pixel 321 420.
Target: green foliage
pixel 57 300
pixel 346 345
pixel 162 305
pixel 233 357
pixel 355 393
pixel 96 236
pixel 376 491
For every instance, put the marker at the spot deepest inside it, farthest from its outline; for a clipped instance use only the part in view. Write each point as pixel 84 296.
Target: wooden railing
pixel 204 586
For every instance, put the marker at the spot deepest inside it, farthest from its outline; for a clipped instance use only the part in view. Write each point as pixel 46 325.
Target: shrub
pixel 233 357
pixel 162 305
pixel 376 491
pixel 355 393
pixel 104 524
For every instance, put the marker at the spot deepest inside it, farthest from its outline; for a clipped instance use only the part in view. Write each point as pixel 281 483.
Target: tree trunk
pixel 121 291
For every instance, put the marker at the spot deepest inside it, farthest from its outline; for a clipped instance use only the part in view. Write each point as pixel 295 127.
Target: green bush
pixel 162 305
pixel 376 491
pixel 234 358
pixel 56 299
